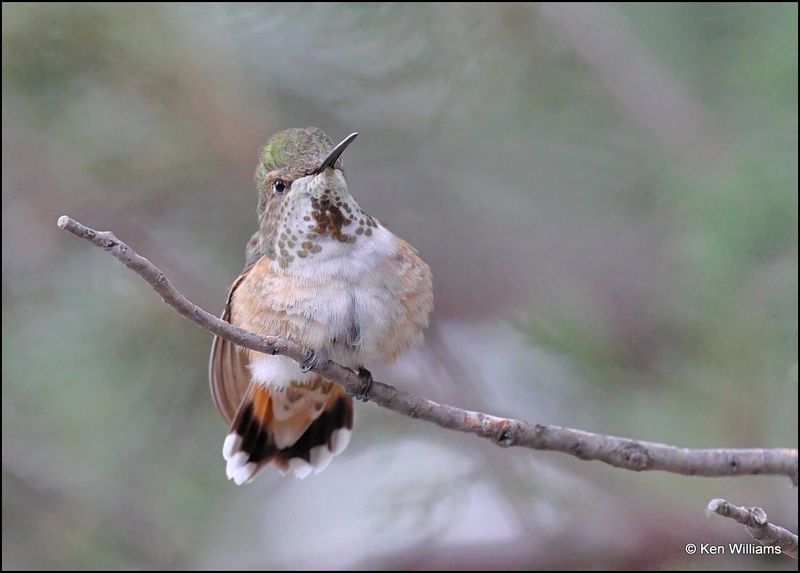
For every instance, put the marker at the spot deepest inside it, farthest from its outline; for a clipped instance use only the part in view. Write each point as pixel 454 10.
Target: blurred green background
pixel 607 195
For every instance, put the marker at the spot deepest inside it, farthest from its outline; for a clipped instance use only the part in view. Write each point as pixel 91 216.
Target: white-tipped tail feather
pixel 232 443
pixel 300 468
pixel 340 440
pixel 321 457
pixel 236 461
pixel 244 473
pixel 238 469
pixel 298 429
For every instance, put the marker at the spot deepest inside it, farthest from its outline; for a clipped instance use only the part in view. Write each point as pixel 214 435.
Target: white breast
pixel 354 297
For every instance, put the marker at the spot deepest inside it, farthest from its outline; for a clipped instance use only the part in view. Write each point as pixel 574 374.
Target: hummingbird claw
pixel 313 360
pixel 365 392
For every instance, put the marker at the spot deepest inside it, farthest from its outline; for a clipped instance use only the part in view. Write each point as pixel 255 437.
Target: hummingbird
pixel 321 272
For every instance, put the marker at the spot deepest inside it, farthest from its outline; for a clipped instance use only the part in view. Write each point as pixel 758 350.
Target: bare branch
pixel 755 520
pixel 619 452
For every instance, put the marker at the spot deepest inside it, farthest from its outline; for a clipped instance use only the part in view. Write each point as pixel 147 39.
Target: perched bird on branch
pixel 323 273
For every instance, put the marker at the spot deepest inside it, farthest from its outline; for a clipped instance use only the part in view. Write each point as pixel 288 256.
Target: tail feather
pixel 316 445
pixel 307 440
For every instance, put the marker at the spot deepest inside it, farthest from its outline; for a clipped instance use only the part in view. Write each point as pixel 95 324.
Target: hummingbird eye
pixel 279 186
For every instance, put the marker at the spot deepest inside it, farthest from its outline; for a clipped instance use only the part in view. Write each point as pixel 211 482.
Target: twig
pixel 755 520
pixel 619 452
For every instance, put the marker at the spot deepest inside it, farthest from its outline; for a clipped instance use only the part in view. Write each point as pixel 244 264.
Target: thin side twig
pixel 755 521
pixel 635 455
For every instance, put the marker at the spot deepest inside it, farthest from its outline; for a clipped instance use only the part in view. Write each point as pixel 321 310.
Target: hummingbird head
pixel 305 210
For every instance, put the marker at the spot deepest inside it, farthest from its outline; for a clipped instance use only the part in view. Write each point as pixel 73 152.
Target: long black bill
pixel 335 153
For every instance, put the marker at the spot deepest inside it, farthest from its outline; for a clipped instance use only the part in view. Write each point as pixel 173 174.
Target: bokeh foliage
pixel 610 215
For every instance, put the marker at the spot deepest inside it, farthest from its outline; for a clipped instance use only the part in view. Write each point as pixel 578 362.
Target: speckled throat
pixel 317 219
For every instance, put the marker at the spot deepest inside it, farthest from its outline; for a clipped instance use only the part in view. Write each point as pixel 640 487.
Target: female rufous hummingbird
pixel 320 272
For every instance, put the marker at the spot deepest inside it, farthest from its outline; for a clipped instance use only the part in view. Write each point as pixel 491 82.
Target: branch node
pixel 759 515
pixel 758 526
pixel 636 456
pixel 506 436
pixel 576 449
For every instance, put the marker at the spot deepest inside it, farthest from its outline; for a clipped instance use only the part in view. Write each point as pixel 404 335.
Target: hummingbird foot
pixel 365 392
pixel 314 360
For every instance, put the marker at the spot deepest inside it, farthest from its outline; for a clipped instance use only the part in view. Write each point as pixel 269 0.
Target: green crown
pixel 296 151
